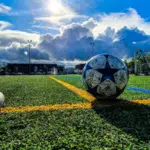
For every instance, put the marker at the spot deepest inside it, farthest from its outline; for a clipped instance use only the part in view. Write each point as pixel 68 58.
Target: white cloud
pixel 72 45
pixel 9 36
pixel 45 27
pixel 4 25
pixel 4 9
pixel 130 19
pixel 133 42
pixel 60 19
pixel 60 14
pixel 90 23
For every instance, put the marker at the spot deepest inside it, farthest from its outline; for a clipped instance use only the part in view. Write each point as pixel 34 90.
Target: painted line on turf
pixel 138 90
pixel 66 106
pixel 79 92
pixel 144 102
pixel 45 107
pixel 76 90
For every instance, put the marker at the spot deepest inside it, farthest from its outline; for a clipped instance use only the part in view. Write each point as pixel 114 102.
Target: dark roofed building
pixel 79 68
pixel 17 68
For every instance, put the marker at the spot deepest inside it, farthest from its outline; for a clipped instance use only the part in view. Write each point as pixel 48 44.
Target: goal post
pixel 142 62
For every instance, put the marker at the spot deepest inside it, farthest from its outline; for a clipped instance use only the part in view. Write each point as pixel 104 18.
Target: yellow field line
pixel 144 102
pixel 45 107
pixel 70 76
pixel 80 92
pixel 76 90
pixel 88 96
pixel 64 106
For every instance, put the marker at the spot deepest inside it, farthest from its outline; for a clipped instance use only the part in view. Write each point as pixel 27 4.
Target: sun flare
pixel 55 6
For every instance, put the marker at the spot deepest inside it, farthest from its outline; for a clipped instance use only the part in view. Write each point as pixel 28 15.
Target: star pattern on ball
pixel 108 72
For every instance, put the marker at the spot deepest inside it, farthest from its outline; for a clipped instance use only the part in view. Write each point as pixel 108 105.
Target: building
pixel 79 68
pixel 34 68
pixel 69 70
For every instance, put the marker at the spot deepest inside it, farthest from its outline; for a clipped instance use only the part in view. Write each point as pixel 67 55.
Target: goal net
pixel 142 62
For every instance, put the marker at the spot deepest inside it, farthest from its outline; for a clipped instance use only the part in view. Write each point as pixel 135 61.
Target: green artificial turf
pixel 140 81
pixel 134 81
pixel 113 127
pixel 35 90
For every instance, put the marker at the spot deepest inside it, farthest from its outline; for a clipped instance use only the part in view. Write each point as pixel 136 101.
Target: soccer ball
pixel 2 99
pixel 105 76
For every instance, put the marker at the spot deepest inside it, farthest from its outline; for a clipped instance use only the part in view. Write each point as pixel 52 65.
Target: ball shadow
pixel 134 119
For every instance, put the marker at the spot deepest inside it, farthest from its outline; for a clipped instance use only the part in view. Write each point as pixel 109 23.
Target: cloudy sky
pixel 63 30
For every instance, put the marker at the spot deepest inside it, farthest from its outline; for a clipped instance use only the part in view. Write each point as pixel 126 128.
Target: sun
pixel 55 6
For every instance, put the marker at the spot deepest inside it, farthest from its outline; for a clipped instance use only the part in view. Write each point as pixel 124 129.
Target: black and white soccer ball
pixel 105 76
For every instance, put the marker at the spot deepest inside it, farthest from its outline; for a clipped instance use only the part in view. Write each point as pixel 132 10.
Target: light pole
pixel 29 42
pixel 92 44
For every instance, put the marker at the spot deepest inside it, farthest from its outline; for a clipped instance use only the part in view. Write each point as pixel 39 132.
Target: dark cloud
pixel 7 41
pixel 18 53
pixel 7 37
pixel 132 39
pixel 74 44
pixel 131 35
